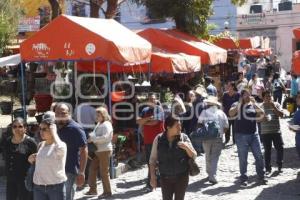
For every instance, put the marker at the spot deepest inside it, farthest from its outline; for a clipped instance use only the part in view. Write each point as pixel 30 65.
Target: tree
pixel 10 13
pixel 189 15
pixel 55 8
pixel 111 8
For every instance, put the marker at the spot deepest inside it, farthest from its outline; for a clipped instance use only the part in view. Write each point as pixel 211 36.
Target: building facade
pixel 275 24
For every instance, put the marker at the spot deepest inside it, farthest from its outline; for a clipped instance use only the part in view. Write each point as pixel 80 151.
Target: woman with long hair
pixel 17 149
pixel 49 176
pixel 102 138
pixel 171 151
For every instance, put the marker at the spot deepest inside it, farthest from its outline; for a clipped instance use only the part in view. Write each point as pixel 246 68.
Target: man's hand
pixel 80 179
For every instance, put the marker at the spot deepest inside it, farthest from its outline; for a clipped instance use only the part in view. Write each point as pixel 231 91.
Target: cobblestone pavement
pixel 280 187
pixel 284 186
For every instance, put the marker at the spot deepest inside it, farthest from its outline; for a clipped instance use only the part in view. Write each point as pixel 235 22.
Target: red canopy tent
pixel 296 32
pixel 78 38
pixel 69 38
pixel 215 54
pixel 257 52
pixel 244 43
pixel 296 63
pixel 177 63
pixel 209 54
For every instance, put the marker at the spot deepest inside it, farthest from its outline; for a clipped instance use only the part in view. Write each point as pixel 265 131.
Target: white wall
pixel 266 5
pixel 284 46
pixel 264 25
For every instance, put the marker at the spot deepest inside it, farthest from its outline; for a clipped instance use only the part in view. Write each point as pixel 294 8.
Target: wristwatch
pixel 81 173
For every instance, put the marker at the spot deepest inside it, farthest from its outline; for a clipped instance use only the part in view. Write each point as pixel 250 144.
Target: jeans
pixel 244 142
pixel 70 186
pixel 276 139
pixel 50 192
pixel 212 150
pixel 176 185
pixel 277 95
pixel 15 190
pixel 297 138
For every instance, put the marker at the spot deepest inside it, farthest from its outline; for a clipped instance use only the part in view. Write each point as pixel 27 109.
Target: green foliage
pixel 189 15
pixel 10 12
pixel 238 2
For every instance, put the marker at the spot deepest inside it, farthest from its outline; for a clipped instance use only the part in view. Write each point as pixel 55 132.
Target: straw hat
pixel 212 100
pixel 200 90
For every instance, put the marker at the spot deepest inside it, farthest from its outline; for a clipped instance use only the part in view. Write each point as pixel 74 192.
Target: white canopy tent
pixel 10 60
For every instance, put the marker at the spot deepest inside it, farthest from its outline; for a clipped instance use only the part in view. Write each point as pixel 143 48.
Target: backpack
pixel 209 130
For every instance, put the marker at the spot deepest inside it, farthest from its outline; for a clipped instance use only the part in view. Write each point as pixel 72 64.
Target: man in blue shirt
pixel 246 113
pixel 74 136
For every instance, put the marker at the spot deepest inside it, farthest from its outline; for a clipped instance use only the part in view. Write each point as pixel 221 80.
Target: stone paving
pixel 284 186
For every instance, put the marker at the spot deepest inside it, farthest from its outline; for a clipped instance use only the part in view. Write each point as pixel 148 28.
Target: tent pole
pixel 149 70
pixel 109 88
pixel 23 90
pixel 111 169
pixel 76 83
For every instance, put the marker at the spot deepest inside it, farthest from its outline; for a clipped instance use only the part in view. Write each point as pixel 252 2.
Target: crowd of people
pixel 248 111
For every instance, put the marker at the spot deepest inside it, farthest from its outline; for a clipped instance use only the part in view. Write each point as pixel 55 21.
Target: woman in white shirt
pixel 213 146
pixel 49 176
pixel 102 138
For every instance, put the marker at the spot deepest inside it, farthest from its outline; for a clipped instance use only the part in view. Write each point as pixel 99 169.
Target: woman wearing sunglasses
pixel 49 176
pixel 17 148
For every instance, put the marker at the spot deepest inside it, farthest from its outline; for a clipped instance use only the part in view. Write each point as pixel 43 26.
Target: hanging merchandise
pixel 94 91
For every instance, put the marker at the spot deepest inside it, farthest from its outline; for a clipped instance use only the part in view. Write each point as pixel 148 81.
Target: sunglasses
pixel 15 126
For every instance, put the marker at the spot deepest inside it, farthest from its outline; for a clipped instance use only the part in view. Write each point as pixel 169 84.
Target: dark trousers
pixel 15 190
pixel 148 148
pixel 277 96
pixel 227 133
pixel 175 185
pixel 276 139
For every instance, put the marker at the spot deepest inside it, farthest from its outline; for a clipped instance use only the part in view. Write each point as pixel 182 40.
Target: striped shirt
pixel 272 126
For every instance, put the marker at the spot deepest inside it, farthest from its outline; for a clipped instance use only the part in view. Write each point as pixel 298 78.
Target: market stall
pixel 77 39
pixel 233 44
pixel 176 41
pixel 69 38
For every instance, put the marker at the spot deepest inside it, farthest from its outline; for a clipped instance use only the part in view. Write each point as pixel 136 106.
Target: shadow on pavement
pixel 126 195
pixel 198 185
pixel 129 194
pixel 286 191
pixel 290 158
pixel 231 189
pixel 131 184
